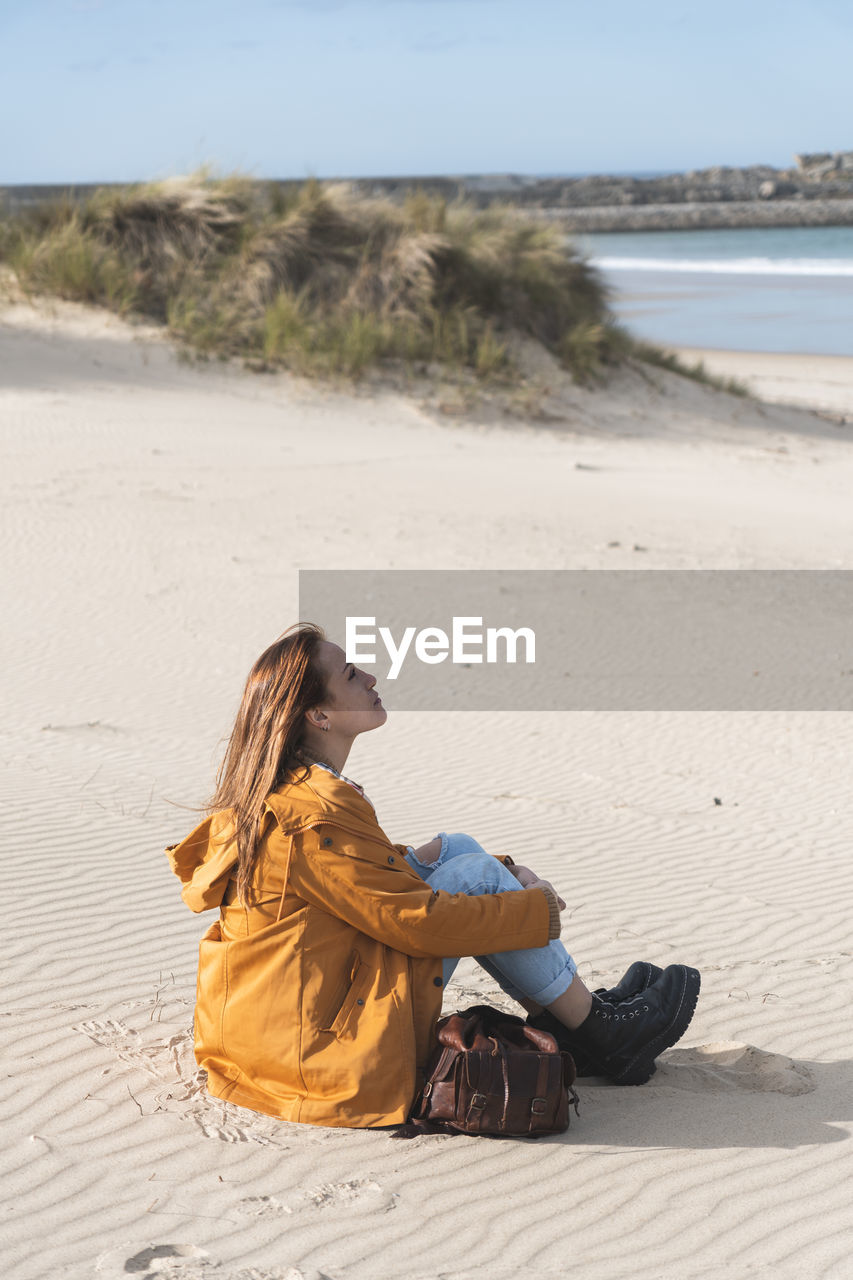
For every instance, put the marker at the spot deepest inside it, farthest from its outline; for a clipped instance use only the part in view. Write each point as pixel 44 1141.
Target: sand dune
pixel 154 519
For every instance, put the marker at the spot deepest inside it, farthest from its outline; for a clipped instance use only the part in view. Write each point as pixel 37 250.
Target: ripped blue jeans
pixel 463 866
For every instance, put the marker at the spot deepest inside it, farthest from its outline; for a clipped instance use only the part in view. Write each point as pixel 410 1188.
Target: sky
pixel 125 90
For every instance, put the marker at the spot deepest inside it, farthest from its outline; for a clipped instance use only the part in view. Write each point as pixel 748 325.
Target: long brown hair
pixel 266 744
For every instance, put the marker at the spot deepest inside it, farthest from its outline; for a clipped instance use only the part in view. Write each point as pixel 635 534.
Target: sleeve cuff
pixel 554 925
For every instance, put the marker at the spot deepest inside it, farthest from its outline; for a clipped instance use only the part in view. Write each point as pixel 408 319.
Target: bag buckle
pixel 478 1102
pixel 539 1106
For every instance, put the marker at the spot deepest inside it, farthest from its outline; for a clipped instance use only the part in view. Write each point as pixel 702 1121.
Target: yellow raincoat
pixel 318 1002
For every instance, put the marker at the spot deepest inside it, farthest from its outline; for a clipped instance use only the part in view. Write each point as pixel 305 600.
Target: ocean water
pixel 751 289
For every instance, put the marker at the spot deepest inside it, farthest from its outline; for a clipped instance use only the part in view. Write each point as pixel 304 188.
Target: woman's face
pixel 351 705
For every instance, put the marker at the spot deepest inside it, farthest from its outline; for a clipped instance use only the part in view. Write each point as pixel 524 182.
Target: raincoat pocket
pixel 344 1024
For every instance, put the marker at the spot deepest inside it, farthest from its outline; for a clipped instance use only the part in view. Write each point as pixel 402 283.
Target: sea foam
pixel 732 266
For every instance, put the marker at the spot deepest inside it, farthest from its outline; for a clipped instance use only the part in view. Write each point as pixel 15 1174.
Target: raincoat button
pixel 390 859
pixel 436 982
pixel 359 1001
pixel 327 841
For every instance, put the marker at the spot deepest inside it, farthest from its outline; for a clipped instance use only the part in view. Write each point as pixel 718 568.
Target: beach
pixel 809 381
pixel 155 516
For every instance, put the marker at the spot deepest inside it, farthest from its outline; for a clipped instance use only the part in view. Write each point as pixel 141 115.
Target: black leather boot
pixel 637 977
pixel 624 1039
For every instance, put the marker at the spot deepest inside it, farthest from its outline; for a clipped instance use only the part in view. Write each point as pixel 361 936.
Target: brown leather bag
pixel 492 1073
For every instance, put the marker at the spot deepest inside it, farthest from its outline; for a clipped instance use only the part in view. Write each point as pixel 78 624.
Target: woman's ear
pixel 317 719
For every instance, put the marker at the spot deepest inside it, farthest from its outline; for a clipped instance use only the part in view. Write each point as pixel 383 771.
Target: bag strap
pixel 439 1071
pixel 505 1072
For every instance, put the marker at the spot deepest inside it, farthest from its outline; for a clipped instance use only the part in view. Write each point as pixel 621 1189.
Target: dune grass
pixel 698 372
pixel 323 281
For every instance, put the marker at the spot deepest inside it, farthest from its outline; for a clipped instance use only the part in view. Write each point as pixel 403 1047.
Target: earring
pixel 325 728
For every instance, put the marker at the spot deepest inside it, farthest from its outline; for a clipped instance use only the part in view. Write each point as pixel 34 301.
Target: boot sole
pixel 642 1067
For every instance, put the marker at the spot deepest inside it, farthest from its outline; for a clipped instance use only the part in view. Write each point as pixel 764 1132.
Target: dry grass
pixel 322 281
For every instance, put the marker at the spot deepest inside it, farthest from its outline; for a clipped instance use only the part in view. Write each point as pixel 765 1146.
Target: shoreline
pixel 821 383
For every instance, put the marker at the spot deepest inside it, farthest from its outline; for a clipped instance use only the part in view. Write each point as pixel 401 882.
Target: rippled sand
pixel 154 517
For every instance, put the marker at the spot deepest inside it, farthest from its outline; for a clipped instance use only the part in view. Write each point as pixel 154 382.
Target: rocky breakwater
pixel 695 216
pixel 817 191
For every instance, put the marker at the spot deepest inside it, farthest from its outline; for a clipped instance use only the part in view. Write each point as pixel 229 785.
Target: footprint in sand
pixel 262 1207
pixel 188 1262
pixel 364 1192
pixel 728 1065
pixel 89 726
pixel 154 1262
pixel 110 1033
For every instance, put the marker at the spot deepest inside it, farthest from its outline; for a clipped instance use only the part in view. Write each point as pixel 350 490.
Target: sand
pixel 824 383
pixel 154 518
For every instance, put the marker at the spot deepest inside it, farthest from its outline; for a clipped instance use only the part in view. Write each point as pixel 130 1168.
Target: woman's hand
pixel 530 880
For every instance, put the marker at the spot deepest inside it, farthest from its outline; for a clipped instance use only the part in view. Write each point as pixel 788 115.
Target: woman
pixel 320 984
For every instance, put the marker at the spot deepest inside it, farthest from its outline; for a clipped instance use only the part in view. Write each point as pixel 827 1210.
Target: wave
pixel 733 266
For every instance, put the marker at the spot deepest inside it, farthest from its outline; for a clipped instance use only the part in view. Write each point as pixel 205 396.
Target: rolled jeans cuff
pixel 557 986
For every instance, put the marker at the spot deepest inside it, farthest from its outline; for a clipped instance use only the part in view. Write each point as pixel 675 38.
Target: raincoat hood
pixel 206 859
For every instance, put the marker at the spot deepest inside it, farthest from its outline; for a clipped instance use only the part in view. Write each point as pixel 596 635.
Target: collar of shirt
pixel 355 786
